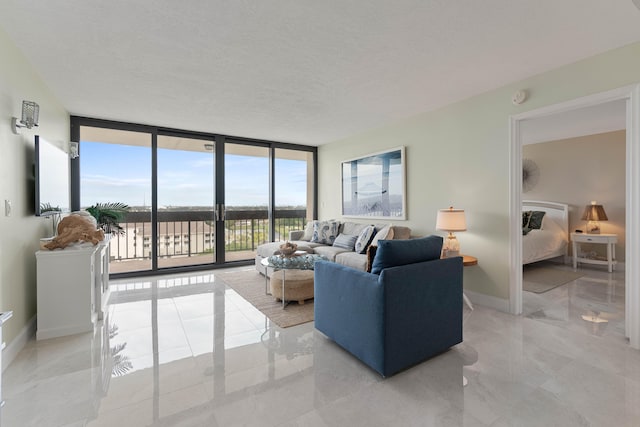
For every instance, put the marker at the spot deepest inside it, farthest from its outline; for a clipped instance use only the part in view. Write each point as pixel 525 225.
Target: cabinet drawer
pixel 593 238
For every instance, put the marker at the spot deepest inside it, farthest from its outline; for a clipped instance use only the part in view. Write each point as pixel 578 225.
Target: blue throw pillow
pixel 392 253
pixel 345 241
pixel 325 232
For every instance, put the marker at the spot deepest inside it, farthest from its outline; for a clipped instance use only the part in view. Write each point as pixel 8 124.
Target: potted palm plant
pixel 109 215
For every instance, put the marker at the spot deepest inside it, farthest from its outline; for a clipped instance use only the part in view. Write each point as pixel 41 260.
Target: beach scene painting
pixel 373 186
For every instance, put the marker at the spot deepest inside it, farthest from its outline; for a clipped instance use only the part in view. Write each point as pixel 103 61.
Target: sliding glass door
pixel 195 200
pixel 186 201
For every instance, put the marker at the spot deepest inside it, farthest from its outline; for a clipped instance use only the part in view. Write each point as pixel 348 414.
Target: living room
pixel 458 152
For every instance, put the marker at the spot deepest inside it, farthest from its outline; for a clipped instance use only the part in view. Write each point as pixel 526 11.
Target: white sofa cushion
pixel 353 260
pixel 330 252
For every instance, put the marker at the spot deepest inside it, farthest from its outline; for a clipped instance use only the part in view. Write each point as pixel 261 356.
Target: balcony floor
pixel 127 266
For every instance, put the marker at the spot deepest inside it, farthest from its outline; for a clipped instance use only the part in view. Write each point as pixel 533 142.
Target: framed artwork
pixel 374 186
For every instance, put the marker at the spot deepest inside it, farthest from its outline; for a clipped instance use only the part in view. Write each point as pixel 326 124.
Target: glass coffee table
pixel 298 261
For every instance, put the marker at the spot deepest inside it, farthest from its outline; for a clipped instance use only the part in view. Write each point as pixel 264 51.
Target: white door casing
pixel 630 94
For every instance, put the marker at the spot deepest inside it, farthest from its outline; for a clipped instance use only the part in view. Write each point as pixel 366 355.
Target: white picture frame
pixel 374 186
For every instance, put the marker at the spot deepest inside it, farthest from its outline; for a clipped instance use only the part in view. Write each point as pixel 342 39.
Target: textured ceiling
pixel 299 71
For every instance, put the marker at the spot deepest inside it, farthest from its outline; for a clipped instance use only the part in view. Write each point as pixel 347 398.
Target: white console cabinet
pixel 73 288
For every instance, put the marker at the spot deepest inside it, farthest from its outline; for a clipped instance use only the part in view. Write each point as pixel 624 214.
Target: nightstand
pixel 602 239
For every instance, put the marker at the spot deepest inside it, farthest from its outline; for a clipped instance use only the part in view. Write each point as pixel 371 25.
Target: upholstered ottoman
pixel 298 285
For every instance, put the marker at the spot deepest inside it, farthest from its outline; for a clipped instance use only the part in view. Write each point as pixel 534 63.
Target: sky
pixel 122 173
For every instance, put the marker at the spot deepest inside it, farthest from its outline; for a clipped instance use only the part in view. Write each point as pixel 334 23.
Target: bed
pixel 552 240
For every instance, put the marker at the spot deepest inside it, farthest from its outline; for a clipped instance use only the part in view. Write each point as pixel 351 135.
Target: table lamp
pixel 451 220
pixel 593 214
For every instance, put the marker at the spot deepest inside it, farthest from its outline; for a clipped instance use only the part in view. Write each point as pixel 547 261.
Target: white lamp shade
pixel 451 220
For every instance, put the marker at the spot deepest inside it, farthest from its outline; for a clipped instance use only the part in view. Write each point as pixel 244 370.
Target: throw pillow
pixel 535 222
pixel 364 238
pixel 385 233
pixel 401 233
pixel 308 232
pixel 345 241
pixel 526 215
pixel 371 254
pixel 324 232
pixel 391 253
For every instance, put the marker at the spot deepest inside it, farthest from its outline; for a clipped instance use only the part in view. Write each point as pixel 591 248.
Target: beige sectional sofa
pixel 349 257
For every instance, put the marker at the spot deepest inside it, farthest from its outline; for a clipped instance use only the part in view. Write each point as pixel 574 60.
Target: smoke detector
pixel 520 96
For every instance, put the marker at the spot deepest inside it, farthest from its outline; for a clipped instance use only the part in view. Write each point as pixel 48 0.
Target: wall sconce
pixel 74 149
pixel 451 220
pixel 30 113
pixel 593 214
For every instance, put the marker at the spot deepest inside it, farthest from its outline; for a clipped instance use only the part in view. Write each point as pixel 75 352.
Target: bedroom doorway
pixel 630 97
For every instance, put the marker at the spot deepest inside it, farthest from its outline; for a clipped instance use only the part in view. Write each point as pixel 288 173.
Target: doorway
pixel 631 97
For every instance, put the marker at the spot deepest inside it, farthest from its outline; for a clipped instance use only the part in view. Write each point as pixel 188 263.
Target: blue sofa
pixel 408 309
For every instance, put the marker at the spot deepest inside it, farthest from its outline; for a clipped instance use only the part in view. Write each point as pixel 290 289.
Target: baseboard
pixel 499 304
pixel 18 343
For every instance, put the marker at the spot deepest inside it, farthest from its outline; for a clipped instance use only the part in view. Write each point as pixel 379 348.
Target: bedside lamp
pixel 451 220
pixel 594 213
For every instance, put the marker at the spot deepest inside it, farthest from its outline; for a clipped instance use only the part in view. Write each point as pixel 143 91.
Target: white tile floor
pixel 188 351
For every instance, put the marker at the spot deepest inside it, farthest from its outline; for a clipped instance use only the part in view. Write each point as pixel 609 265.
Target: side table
pixel 468 261
pixel 603 239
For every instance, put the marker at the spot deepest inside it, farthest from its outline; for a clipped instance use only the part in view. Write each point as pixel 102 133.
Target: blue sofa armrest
pixel 348 308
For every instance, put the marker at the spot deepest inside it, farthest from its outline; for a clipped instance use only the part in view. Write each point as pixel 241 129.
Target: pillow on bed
pixel 551 226
pixel 535 220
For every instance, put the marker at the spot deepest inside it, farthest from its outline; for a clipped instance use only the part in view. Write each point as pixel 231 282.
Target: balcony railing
pixel 189 233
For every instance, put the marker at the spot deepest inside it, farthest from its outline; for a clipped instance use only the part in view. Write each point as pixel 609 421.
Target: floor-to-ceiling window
pixel 293 190
pixel 195 200
pixel 246 199
pixel 115 167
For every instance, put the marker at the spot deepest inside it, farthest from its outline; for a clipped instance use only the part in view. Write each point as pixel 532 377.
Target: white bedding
pixel 549 242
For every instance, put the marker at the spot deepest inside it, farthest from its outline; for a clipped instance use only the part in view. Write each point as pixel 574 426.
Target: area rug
pixel 249 284
pixel 542 279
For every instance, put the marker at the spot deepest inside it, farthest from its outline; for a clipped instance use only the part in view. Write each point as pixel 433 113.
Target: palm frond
pixel 46 207
pixel 108 215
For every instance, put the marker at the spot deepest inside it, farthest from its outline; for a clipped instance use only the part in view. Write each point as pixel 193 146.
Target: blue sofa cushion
pixel 392 253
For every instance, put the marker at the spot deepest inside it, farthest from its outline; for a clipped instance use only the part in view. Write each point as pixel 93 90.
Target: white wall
pixel 459 155
pixel 578 170
pixel 20 232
